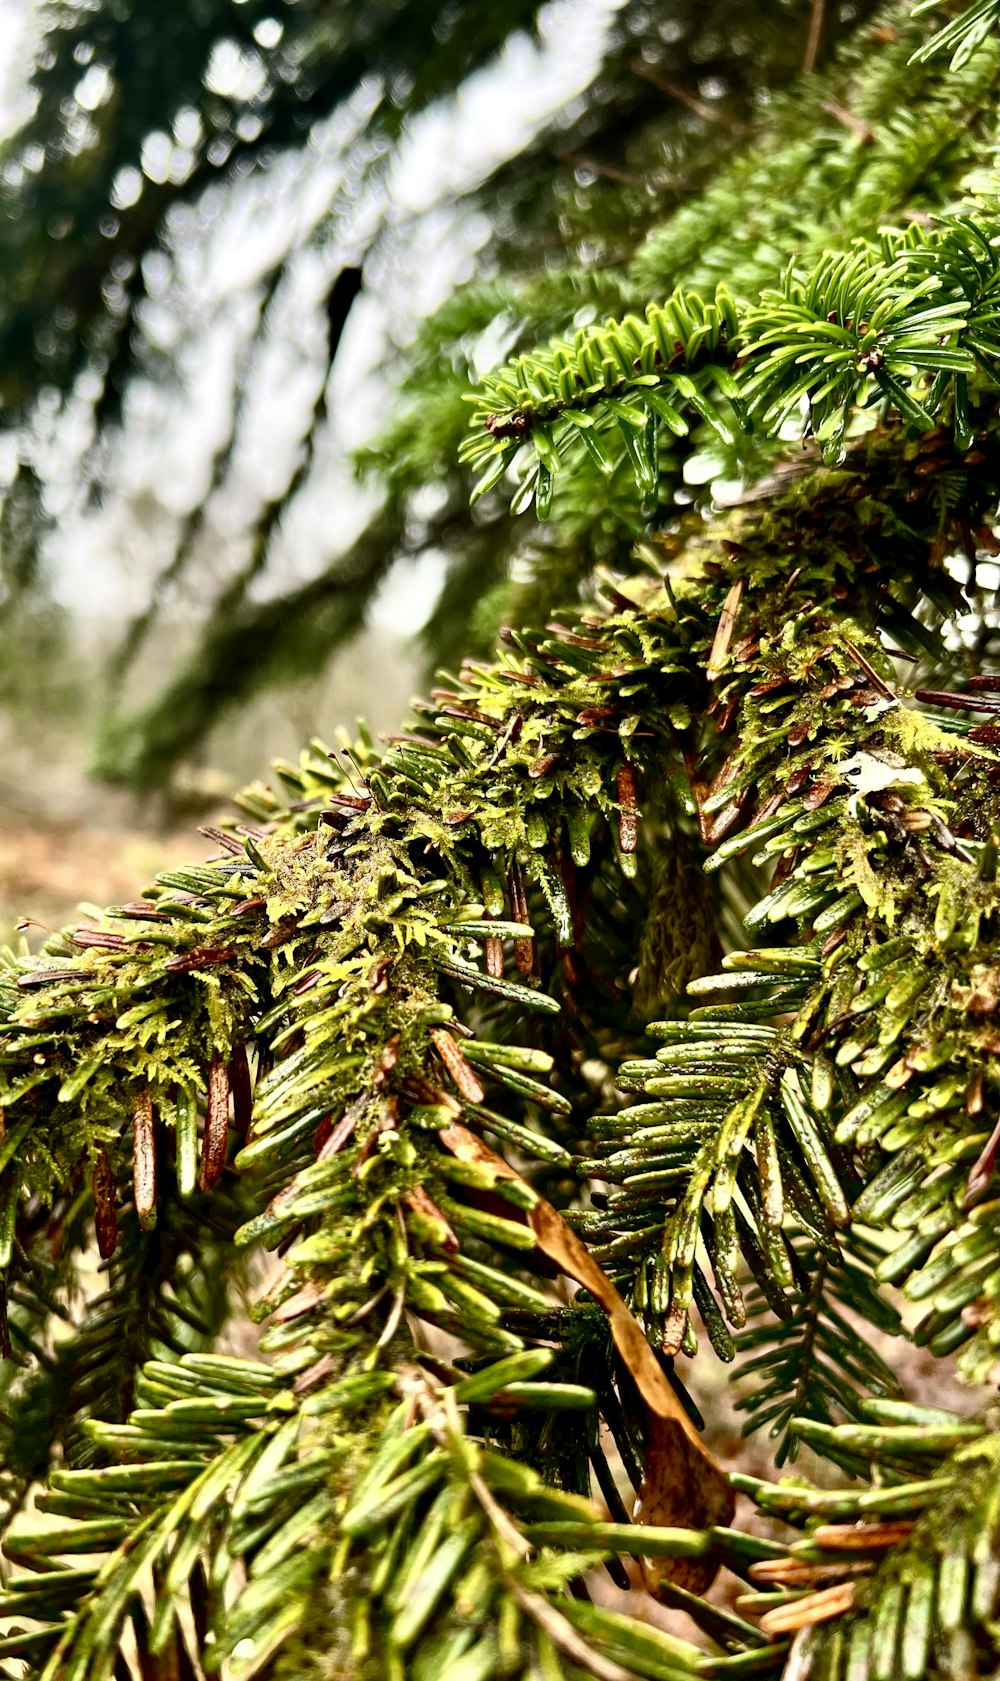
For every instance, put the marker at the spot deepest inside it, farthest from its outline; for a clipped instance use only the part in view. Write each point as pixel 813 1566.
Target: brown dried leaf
pixel 524 950
pixel 861 1538
pixel 982 1168
pixel 509 736
pixel 683 1487
pixel 202 957
pixel 818 794
pixel 338 1135
pixel 563 1635
pixel 303 1301
pixel 724 631
pixel 819 1607
pixel 422 1204
pixel 628 813
pixel 805 1572
pixel 460 1070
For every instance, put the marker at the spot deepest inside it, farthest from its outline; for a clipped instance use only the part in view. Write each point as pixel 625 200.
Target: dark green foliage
pixel 811 1363
pixel 903 1580
pixel 750 786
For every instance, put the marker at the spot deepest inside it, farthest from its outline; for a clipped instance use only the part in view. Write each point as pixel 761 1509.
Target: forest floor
pixel 47 869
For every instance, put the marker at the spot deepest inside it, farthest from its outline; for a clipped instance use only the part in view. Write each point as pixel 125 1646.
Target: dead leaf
pixel 862 1538
pixel 425 1206
pixel 461 1071
pixel 524 950
pixel 812 1608
pixel 241 1089
pixel 684 1487
pixel 561 1632
pixel 724 631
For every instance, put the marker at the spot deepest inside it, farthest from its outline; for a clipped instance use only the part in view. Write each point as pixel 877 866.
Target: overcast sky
pixel 16 28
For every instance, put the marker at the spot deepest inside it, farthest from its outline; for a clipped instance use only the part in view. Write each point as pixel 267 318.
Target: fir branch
pixel 963 36
pixel 902 1578
pixel 813 1365
pixel 870 325
pixel 375 933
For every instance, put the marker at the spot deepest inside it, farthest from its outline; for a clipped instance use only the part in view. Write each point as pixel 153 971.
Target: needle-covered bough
pixel 381 1061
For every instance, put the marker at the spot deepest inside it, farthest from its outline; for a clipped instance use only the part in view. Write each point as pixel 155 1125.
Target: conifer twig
pixel 684 96
pixel 815 36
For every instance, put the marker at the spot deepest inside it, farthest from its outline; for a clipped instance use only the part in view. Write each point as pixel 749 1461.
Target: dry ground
pixel 48 869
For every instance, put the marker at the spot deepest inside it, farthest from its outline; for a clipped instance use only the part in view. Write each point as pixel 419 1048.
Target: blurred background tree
pixel 252 253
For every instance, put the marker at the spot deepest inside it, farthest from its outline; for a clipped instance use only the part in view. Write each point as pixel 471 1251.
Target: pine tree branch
pixel 343 932
pixel 904 1575
pixel 817 17
pixel 701 108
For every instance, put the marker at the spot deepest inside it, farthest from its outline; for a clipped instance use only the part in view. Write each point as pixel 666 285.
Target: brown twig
pixel 605 171
pixel 859 128
pixel 814 37
pixel 700 107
